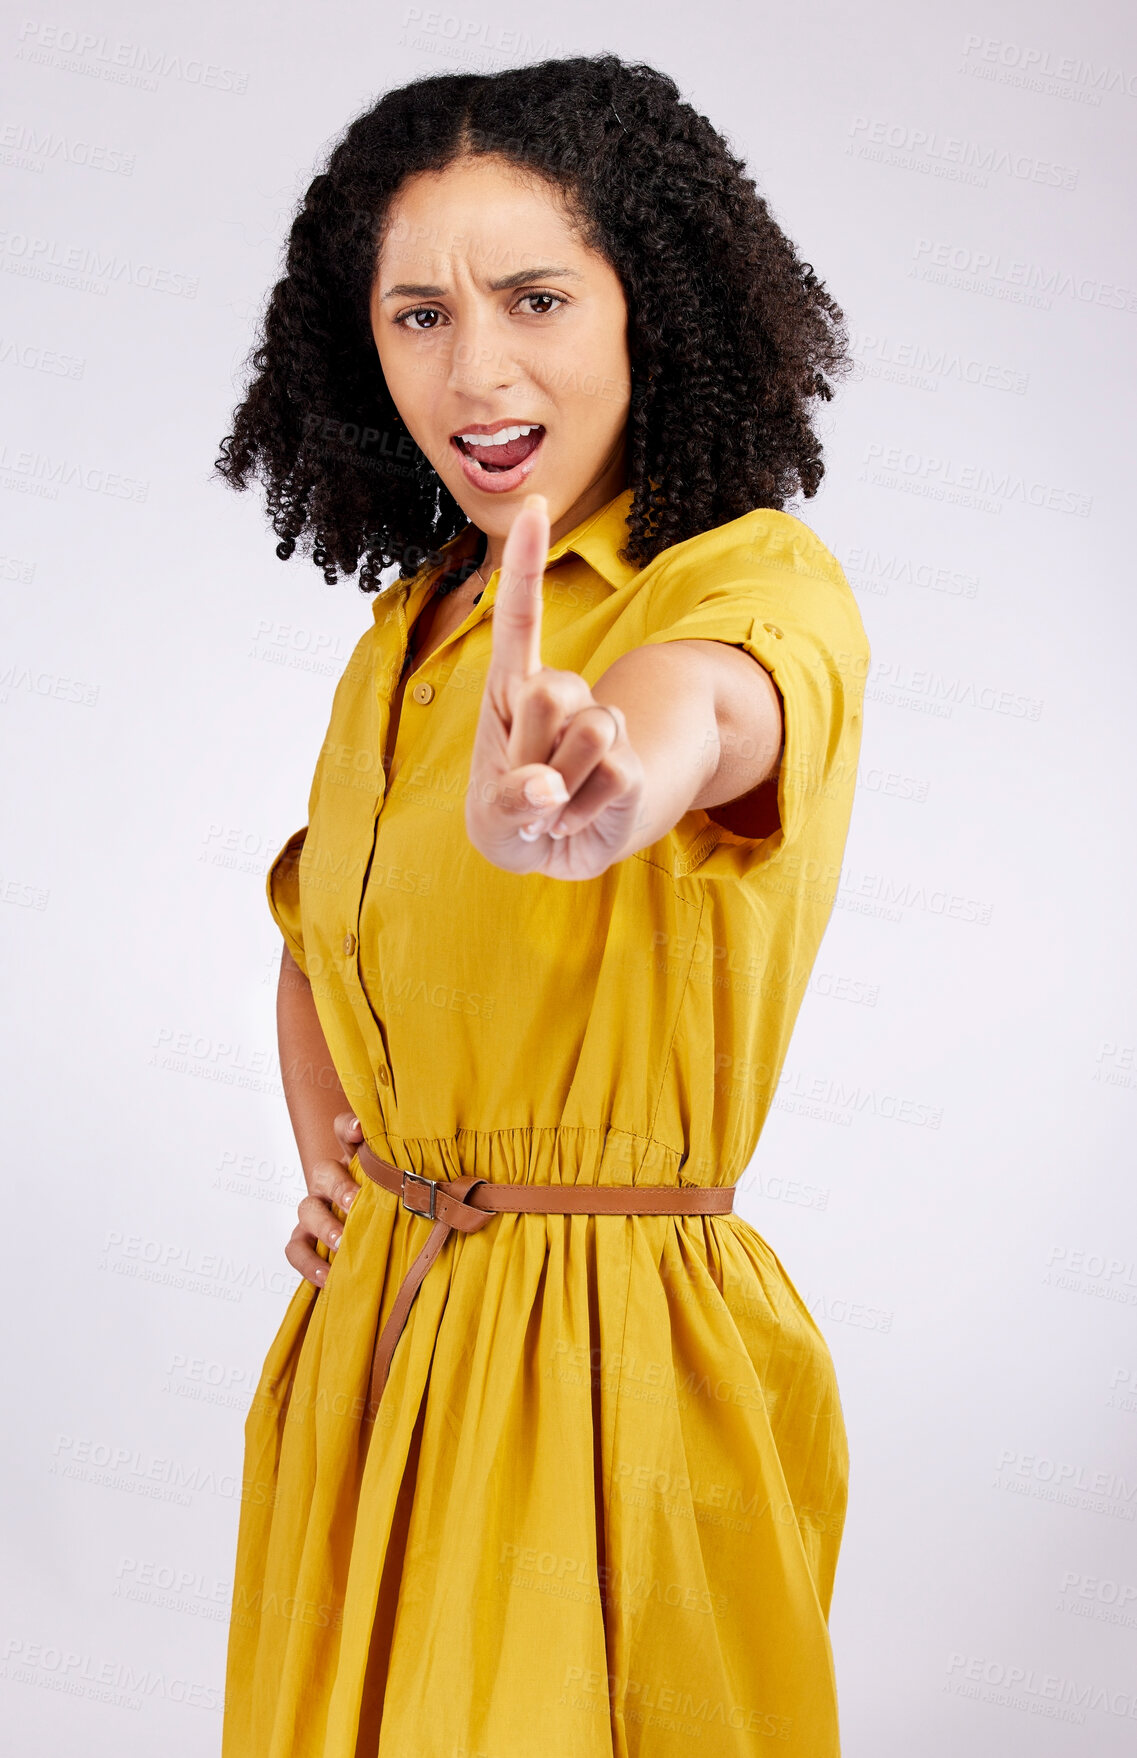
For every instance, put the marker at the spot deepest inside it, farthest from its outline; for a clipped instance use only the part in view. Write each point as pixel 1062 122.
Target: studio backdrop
pixel 947 1169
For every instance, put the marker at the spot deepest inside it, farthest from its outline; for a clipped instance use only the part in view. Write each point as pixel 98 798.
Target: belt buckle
pixel 427 1214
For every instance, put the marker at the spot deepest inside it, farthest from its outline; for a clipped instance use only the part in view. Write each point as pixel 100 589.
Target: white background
pixel 948 1173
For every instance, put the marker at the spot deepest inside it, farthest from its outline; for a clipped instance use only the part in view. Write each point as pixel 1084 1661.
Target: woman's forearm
pixel 705 720
pixel 312 1087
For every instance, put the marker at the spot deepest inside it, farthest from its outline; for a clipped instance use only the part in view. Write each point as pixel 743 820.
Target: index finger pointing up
pixel 517 607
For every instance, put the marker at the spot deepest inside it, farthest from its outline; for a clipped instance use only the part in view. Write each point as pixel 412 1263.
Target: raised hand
pixel 555 786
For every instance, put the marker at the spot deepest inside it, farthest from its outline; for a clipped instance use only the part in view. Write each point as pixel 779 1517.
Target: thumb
pixel 530 787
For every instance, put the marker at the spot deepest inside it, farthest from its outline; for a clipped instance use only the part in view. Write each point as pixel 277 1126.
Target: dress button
pixel 383 1077
pixel 349 944
pixel 423 692
pixel 773 629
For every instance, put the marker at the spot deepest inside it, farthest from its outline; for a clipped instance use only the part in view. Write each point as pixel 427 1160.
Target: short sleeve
pixel 786 603
pixel 283 888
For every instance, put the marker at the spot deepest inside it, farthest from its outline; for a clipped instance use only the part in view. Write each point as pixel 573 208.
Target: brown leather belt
pixel 465 1204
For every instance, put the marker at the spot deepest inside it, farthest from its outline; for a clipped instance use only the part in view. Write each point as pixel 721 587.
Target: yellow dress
pixel 600 1510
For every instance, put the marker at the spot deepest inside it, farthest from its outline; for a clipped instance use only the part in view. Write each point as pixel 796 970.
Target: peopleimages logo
pixel 951 155
pixel 1043 70
pixel 872 570
pixel 983 486
pixel 925 365
pixel 1000 276
pixel 26 149
pixel 98 56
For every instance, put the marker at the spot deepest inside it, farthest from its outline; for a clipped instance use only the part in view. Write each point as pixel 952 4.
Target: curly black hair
pixel 730 335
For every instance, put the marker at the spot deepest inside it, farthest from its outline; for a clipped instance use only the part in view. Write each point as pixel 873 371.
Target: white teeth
pixel 501 438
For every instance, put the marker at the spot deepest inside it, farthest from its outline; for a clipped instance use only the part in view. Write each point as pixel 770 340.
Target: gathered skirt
pixel 597 1515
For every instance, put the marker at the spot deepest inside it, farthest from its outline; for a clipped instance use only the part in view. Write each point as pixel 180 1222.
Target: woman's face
pixel 489 313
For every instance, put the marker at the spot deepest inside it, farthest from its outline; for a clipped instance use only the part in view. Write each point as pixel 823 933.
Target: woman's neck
pixel 608 485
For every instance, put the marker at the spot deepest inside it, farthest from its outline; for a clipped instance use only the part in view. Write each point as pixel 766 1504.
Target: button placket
pixel 369 1005
pixel 422 693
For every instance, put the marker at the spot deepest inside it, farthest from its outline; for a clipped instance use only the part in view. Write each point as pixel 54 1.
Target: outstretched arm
pixel 566 779
pixel 705 720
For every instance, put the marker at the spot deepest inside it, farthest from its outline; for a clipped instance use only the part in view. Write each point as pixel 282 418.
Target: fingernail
pixel 529 832
pixel 545 793
pixel 557 832
pixel 350 1198
pixel 354 1124
pixel 333 1242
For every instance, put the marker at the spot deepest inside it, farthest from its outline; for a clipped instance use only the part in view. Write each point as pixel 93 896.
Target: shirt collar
pixel 596 540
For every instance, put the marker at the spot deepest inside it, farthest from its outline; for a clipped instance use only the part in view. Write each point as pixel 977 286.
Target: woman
pixel 546 1478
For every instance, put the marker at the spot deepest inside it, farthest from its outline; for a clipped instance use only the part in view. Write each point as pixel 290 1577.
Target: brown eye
pixel 554 296
pixel 420 311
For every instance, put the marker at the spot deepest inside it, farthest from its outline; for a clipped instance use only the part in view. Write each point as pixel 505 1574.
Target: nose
pixel 479 359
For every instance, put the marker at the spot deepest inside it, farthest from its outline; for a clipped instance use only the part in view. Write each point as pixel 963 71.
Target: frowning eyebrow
pixel 410 290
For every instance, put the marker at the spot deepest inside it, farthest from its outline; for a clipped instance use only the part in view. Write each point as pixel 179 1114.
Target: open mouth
pixel 503 449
